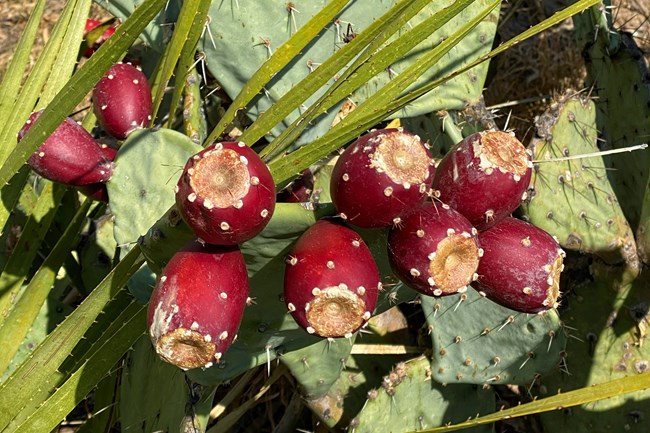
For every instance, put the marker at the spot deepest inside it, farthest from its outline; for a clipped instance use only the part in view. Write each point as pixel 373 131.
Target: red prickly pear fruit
pixel 484 177
pixel 299 190
pixel 70 155
pixel 197 304
pixel 122 100
pixel 435 250
pixel 98 191
pixel 331 281
pixel 521 266
pixel 381 178
pixel 226 193
pixel 95 34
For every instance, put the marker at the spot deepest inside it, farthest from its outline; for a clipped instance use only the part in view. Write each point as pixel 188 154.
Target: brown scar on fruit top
pixel 454 264
pixel 402 157
pixel 221 177
pixel 510 158
pixel 336 311
pixel 186 348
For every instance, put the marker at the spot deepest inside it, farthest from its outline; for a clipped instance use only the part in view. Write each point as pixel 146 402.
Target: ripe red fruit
pixel 70 155
pixel 197 305
pixel 521 266
pixel 381 178
pixel 94 39
pixel 484 177
pixel 226 193
pixel 331 281
pixel 98 191
pixel 122 100
pixel 299 190
pixel 435 250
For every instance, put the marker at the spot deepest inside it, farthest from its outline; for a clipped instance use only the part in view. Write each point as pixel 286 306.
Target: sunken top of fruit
pixel 221 177
pixel 402 157
pixel 503 151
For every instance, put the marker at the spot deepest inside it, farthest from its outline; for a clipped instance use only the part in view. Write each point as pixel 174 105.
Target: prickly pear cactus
pixel 477 341
pixel 409 400
pixel 643 231
pixel 318 366
pixel 156 396
pixel 609 326
pixel 619 81
pixel 574 200
pixel 241 29
pixel 147 168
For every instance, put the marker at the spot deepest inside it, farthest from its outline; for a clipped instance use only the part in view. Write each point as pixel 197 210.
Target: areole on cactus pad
pixel 331 280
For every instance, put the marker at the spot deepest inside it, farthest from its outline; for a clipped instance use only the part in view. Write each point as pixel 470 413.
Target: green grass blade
pixel 79 85
pixel 580 396
pixel 192 14
pixel 90 373
pixel 11 194
pixel 20 318
pixel 13 77
pixel 366 67
pixel 44 362
pixel 276 62
pixel 25 251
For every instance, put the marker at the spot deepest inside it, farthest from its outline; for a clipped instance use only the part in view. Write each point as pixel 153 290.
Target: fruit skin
pixel 381 178
pixel 122 100
pixel 226 193
pixel 92 39
pixel 521 265
pixel 197 305
pixel 435 250
pixel 70 155
pixel 299 190
pixel 331 280
pixel 484 177
pixel 98 191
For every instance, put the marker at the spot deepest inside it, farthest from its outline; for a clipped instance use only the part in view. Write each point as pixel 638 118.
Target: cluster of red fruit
pixel 71 156
pixel 449 228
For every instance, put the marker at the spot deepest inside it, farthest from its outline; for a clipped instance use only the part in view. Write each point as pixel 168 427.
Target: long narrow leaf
pixel 13 77
pixel 20 318
pixel 365 68
pixel 24 253
pixel 79 85
pixel 578 397
pixel 278 60
pixel 66 59
pixel 82 381
pixel 44 362
pixel 192 13
pixel 351 126
pixel 186 56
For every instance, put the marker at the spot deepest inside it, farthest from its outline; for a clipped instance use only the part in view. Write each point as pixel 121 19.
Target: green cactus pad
pixel 97 251
pixel 147 168
pixel 477 341
pixel 318 366
pixel 610 327
pixel 410 400
pixel 574 200
pixel 155 396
